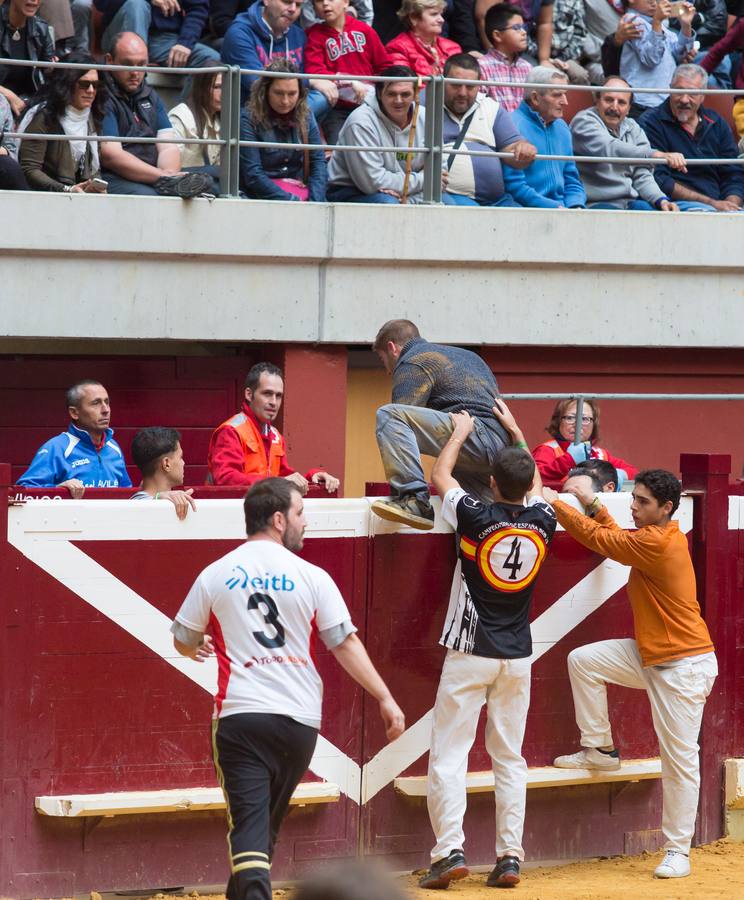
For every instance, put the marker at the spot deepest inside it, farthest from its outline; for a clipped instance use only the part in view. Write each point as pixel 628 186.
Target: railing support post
pixel 433 137
pixel 230 128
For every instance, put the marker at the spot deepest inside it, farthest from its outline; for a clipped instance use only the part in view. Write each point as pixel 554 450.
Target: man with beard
pixel 606 130
pixel 683 125
pixel 260 604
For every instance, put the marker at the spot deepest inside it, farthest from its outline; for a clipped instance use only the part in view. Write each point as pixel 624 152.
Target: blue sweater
pixel 188 24
pixel 547 183
pixel 72 454
pixel 712 140
pixel 250 44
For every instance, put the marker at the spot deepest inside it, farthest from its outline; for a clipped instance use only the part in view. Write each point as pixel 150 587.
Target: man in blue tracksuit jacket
pixel 547 183
pixel 86 455
pixel 264 31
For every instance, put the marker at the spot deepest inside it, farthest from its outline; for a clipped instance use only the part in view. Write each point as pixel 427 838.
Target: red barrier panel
pixel 94 699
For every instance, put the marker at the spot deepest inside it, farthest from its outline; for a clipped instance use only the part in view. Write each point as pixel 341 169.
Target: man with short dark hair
pixel 671 658
pixel 86 455
pixel 430 381
pixel 547 183
pixel 158 455
pixel 473 121
pixel 501 548
pixel 260 604
pixel 605 129
pixel 602 478
pixel 134 110
pixel 682 124
pixel 247 447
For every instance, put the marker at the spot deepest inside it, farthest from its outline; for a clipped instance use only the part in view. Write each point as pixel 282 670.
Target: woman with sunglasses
pixel 557 457
pixel 71 103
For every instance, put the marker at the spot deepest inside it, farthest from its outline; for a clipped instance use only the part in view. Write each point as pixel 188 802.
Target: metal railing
pixel 433 147
pixel 584 396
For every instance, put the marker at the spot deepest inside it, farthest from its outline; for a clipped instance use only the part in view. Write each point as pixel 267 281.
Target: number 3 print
pixel 271 617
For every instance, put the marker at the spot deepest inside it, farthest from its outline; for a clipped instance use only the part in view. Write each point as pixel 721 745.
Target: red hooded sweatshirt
pixel 356 51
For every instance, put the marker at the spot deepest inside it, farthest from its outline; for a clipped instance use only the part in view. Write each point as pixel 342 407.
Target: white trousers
pixel 467 682
pixel 677 692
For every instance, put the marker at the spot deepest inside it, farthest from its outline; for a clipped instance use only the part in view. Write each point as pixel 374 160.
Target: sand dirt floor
pixel 717 874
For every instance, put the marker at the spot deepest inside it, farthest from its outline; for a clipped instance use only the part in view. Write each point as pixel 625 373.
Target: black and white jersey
pixel 501 548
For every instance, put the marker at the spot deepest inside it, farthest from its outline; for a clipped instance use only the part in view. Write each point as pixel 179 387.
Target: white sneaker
pixel 588 758
pixel 674 865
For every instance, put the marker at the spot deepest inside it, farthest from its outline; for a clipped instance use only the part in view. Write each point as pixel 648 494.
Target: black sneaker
pixel 191 184
pixel 505 873
pixel 451 868
pixel 407 510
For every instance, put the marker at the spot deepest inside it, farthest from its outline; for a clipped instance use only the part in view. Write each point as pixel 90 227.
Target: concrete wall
pixel 231 270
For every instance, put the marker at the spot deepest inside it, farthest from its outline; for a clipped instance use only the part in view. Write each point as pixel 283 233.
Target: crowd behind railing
pixel 271 111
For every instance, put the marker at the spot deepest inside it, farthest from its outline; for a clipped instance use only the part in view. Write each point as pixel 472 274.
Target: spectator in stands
pixel 556 458
pixel 266 30
pixel 550 184
pixel 430 381
pixel 158 455
pixel 683 125
pixel 278 112
pixel 476 122
pixel 421 46
pixel 628 29
pixel 601 18
pixel 11 174
pixel 733 42
pixel 170 28
pixel 23 36
pixel 507 34
pixel 199 117
pixel 134 110
pixel 649 60
pixel 86 455
pixel 72 103
pixel 459 23
pixel 361 10
pixel 606 130
pixel 247 447
pixel 538 17
pixel 384 119
pixel 342 44
pixel 709 23
pixel 80 41
pixel 569 34
pixel 585 480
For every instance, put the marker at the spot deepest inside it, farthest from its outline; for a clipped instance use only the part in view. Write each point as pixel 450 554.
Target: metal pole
pixel 579 413
pixel 230 126
pixel 437 109
pixel 428 193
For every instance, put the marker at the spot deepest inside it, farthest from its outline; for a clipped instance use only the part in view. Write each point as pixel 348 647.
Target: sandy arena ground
pixel 717 874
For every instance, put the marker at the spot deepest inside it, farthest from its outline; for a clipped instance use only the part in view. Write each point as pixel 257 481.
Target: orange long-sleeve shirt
pixel 661 586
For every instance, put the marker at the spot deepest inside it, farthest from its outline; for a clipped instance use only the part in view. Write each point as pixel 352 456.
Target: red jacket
pixel 237 451
pixel 554 462
pixel 408 50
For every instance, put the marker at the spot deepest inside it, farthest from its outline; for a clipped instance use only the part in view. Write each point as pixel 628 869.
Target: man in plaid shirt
pixel 507 33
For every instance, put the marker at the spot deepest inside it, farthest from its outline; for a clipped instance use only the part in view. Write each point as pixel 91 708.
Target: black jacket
pixel 38 38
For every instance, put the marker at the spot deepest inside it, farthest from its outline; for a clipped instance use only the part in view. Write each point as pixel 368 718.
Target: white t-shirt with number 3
pixel 264 606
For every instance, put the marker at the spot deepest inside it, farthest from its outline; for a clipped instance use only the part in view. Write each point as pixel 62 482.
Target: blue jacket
pixel 250 44
pixel 73 455
pixel 188 24
pixel 712 140
pixel 547 183
pixel 258 165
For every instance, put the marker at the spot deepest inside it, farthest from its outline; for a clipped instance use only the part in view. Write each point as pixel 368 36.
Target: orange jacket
pixel 255 465
pixel 661 586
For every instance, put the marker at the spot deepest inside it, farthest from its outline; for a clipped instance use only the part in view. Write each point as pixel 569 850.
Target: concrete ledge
pixel 151 268
pixel 543 777
pixel 119 803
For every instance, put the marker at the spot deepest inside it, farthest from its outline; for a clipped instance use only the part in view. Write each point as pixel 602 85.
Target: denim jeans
pixel 119 185
pixel 635 205
pixel 462 200
pixel 405 432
